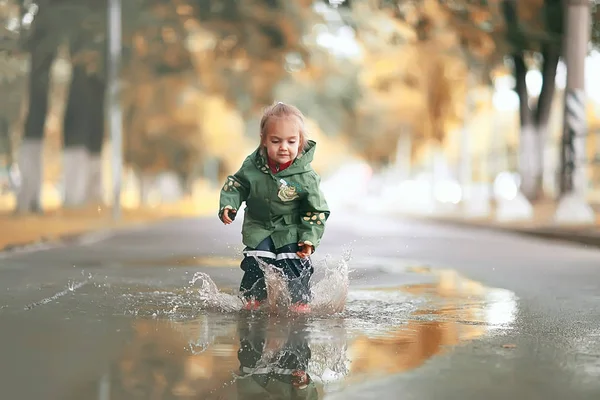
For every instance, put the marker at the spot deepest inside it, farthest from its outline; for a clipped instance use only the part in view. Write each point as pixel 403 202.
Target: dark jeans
pixel 297 271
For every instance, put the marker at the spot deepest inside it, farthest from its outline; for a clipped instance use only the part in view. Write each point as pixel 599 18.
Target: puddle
pixel 199 345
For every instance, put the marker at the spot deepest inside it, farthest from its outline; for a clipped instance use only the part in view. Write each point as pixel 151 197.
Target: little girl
pixel 285 209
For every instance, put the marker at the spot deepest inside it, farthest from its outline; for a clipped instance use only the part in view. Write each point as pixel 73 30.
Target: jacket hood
pixel 301 163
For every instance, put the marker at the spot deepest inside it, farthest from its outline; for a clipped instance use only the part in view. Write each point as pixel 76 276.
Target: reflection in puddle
pixel 259 356
pixel 273 364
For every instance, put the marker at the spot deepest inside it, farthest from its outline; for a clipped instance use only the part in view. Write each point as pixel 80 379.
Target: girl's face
pixel 282 139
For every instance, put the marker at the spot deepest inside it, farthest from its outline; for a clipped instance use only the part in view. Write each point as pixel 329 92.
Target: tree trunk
pixel 6 152
pixel 528 149
pixel 76 137
pixel 534 123
pixel 146 182
pixel 530 163
pixel 551 54
pixel 5 142
pixel 94 192
pixel 30 154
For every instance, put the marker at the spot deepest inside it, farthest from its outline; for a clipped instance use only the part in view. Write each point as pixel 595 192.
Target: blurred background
pixel 425 107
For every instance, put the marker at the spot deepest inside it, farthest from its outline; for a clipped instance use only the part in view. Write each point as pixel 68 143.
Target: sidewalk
pixel 61 224
pixel 540 226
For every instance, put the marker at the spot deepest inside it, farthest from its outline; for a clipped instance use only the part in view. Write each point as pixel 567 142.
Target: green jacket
pixel 288 206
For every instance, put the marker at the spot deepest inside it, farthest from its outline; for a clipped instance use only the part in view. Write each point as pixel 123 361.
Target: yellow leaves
pixel 388 66
pixel 168 35
pixel 480 16
pixel 331 151
pixel 140 44
pixel 380 70
pixel 433 11
pixel 222 129
pixel 184 10
pixel 266 74
pixel 290 32
pixel 378 31
pixel 418 85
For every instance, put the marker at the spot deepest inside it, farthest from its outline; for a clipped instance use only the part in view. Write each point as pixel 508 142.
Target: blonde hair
pixel 282 110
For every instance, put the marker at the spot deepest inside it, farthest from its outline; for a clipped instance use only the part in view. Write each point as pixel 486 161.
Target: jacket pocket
pixel 291 219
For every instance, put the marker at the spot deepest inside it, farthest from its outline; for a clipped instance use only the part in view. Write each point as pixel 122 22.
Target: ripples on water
pixel 352 334
pixel 450 297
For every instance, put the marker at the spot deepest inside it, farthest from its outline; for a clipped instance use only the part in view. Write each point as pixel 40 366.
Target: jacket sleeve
pixel 315 213
pixel 234 192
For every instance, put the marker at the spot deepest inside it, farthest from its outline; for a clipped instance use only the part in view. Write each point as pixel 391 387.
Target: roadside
pixel 55 226
pixel 541 225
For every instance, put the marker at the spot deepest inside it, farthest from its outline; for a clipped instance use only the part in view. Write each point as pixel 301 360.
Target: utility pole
pixel 465 171
pixel 113 101
pixel 572 205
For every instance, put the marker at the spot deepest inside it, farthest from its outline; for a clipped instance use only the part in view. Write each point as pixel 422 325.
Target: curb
pixel 582 236
pixel 46 243
pixel 70 239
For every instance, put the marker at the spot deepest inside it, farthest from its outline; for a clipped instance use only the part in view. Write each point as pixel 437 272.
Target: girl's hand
pixel 305 250
pixel 226 219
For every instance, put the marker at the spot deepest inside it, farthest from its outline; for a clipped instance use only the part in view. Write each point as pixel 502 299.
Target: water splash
pixel 71 287
pixel 211 297
pixel 278 296
pixel 329 294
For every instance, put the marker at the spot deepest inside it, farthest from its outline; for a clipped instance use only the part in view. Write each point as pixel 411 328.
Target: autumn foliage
pixel 197 73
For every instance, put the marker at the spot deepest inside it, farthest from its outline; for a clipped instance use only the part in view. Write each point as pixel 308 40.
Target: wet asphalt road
pixel 74 320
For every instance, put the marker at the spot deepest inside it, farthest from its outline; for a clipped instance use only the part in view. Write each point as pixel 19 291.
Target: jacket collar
pixel 276 167
pixel 299 165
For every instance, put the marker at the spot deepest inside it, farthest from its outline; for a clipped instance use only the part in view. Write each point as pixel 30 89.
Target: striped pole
pixel 572 206
pixel 574 138
pixel 578 29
